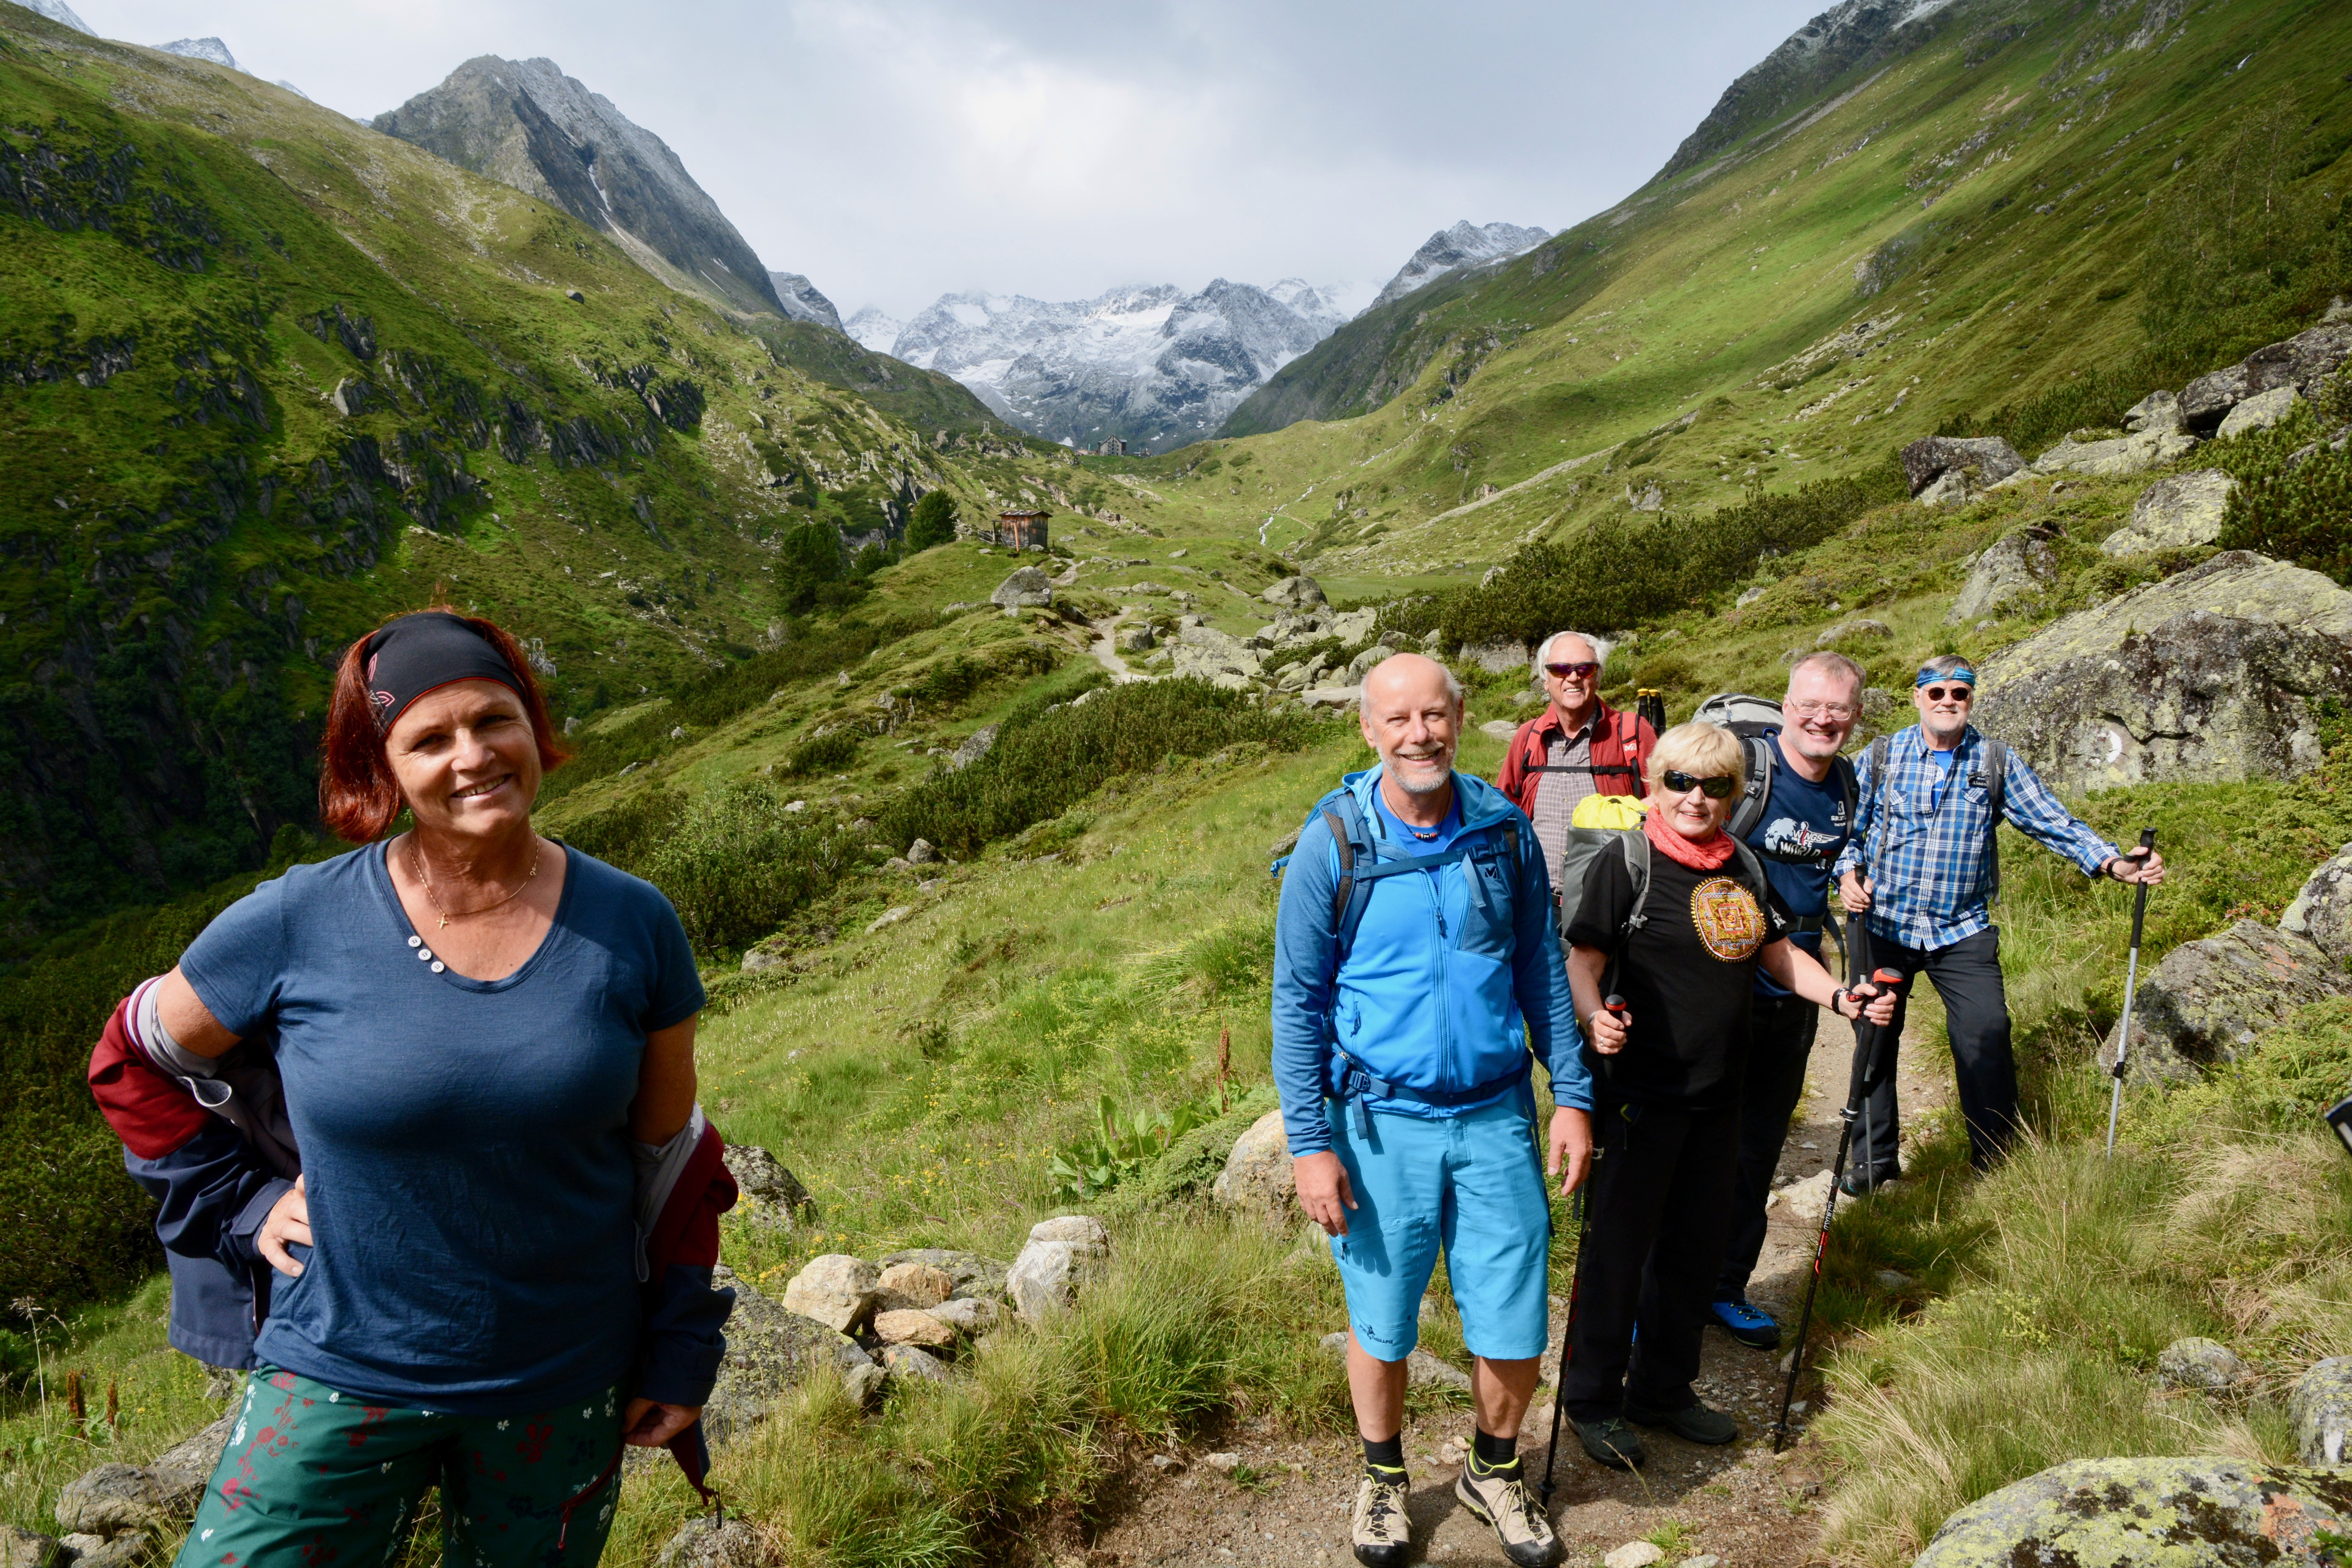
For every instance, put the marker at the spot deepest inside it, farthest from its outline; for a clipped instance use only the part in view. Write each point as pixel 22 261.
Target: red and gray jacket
pixel 210 1140
pixel 1619 763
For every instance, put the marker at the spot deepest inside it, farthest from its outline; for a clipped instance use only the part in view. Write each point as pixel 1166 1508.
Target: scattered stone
pixel 922 853
pixel 975 746
pixel 768 1349
pixel 975 1277
pixel 1926 460
pixel 2211 999
pixel 706 1542
pixel 865 1383
pixel 913 1361
pixel 2201 677
pixel 770 1195
pixel 967 1315
pixel 1423 1370
pixel 2259 412
pixel 1749 597
pixel 1223 1464
pixel 912 1327
pixel 1086 1236
pixel 2198 1364
pixel 1892 1281
pixel 2322 910
pixel 1453 1451
pixel 1501 729
pixel 760 960
pixel 1337 696
pixel 1040 1281
pixel 1495 658
pixel 2298 362
pixel 2179 512
pixel 2014 569
pixel 107 1499
pixel 1806 1198
pixel 2155 1511
pixel 1860 626
pixel 182 1470
pixel 1705 1560
pixel 2321 1409
pixel 77 1546
pixel 2158 412
pixel 26 1549
pixel 836 1289
pixel 913 1286
pixel 1134 639
pixel 2115 459
pixel 125 1551
pixel 888 918
pixel 1257 1179
pixel 1636 1554
pixel 1026 588
pixel 1948 488
pixel 1294 593
pixel 1217 658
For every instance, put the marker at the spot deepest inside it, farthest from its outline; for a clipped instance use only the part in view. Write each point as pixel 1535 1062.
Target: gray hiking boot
pixel 1383 1536
pixel 1500 1498
pixel 1696 1423
pixel 1610 1442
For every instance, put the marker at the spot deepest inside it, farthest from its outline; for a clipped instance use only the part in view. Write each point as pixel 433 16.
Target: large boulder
pixel 1294 593
pixel 1353 625
pixel 1061 1251
pixel 2149 1513
pixel 2013 569
pixel 767 1349
pixel 2299 362
pixel 913 1286
pixel 2159 411
pixel 2321 1410
pixel 2210 1000
pixel 2322 910
pixel 770 1195
pixel 2179 512
pixel 1257 1178
pixel 2200 1364
pixel 1929 459
pixel 2260 411
pixel 107 1499
pixel 29 1548
pixel 2209 676
pixel 1499 657
pixel 836 1289
pixel 2115 459
pixel 182 1470
pixel 1024 589
pixel 1217 658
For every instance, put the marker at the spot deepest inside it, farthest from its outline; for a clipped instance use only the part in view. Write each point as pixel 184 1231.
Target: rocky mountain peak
pixel 211 49
pixel 57 11
pixel 527 124
pixel 1464 245
pixel 803 301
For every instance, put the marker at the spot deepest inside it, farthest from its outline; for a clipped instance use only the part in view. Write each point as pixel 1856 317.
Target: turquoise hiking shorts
pixel 1472 1184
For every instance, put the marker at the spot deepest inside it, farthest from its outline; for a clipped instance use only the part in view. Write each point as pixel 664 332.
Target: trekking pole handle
pixel 1884 979
pixel 2139 905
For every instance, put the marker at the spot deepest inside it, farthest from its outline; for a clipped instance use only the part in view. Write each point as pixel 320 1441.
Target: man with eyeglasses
pixel 1921 868
pixel 1577 746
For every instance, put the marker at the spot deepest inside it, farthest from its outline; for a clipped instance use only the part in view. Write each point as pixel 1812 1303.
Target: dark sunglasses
pixel 1714 788
pixel 1955 693
pixel 1588 669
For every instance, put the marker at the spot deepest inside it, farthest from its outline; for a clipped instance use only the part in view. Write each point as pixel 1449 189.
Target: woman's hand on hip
pixel 288 1224
pixel 647 1424
pixel 1572 1147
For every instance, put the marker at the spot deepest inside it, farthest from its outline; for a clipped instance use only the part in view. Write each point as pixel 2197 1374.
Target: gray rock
pixel 865 1383
pixel 976 745
pixel 128 1550
pixel 2158 412
pixel 1947 490
pixel 1423 1370
pixel 1749 597
pixel 1925 460
pixel 976 1278
pixel 1494 657
pixel 2321 1409
pixel 1649 498
pixel 2197 1363
pixel 2260 411
pixel 837 1291
pixel 706 1543
pixel 107 1499
pixel 966 1315
pixel 2116 459
pixel 770 1193
pixel 769 1349
pixel 182 1470
pixel 1216 658
pixel 1086 1236
pixel 2322 910
pixel 2210 1001
pixel 77 1546
pixel 1352 626
pixel 2299 362
pixel 2179 511
pixel 914 1364
pixel 1134 639
pixel 1042 1280
pixel 2109 1513
pixel 1294 593
pixel 760 960
pixel 1860 626
pixel 2204 402
pixel 1257 1178
pixel 913 1286
pixel 2208 675
pixel 1026 588
pixel 26 1549
pixel 922 853
pixel 2015 569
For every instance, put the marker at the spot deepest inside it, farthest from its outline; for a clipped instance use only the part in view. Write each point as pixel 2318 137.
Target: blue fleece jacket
pixel 1453 976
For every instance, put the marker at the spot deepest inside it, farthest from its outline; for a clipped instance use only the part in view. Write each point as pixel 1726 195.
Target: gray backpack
pixel 1586 844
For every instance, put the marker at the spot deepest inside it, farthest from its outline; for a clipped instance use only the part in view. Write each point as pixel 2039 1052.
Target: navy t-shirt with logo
pixel 1804 830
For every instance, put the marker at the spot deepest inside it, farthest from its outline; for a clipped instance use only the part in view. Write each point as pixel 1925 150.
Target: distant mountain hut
pixel 1022 529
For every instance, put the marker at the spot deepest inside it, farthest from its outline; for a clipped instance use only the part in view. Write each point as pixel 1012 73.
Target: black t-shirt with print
pixel 1687 978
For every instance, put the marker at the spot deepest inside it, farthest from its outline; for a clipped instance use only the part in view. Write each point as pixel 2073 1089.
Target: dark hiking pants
pixel 1967 975
pixel 1780 1040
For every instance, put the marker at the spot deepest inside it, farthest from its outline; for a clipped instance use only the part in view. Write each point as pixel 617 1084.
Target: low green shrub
pixel 823 753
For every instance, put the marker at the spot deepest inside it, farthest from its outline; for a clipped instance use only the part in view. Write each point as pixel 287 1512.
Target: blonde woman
pixel 1681 945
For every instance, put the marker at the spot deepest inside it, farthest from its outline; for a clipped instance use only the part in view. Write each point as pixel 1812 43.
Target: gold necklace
pixel 416 858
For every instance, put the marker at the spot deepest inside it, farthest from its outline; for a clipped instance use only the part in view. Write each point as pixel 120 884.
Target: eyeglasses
pixel 1821 709
pixel 1584 670
pixel 1714 788
pixel 1948 694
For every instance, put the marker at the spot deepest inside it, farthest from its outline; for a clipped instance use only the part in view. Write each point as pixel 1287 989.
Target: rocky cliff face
pixel 1464 245
pixel 57 11
pixel 528 125
pixel 802 301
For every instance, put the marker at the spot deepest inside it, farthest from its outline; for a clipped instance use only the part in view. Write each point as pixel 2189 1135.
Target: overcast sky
pixel 897 150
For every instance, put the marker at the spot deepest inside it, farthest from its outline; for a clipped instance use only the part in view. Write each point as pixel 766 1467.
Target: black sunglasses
pixel 1956 693
pixel 1586 669
pixel 1721 788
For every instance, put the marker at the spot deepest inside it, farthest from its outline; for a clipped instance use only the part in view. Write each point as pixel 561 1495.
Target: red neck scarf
pixel 1707 854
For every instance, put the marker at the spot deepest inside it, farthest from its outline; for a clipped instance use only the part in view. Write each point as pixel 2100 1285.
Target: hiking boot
pixel 1500 1497
pixel 1745 1323
pixel 1860 1183
pixel 1610 1443
pixel 1695 1423
pixel 1382 1533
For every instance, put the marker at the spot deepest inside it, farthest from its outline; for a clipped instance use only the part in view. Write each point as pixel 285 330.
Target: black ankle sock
pixel 1385 1453
pixel 1489 1453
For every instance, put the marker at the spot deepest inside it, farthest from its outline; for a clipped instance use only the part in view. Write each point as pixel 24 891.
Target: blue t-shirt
pixel 465 1142
pixel 1409 838
pixel 1799 840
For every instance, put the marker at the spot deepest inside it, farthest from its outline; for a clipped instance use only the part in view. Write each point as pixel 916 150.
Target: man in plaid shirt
pixel 1921 863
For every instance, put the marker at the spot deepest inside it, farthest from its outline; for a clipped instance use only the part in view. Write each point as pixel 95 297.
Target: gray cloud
pixel 900 149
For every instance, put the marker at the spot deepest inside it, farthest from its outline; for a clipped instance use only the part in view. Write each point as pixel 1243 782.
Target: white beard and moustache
pixel 1445 774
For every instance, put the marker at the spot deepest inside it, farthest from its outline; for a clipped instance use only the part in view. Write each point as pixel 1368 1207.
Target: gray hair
pixel 1830 664
pixel 1454 690
pixel 1945 665
pixel 1601 648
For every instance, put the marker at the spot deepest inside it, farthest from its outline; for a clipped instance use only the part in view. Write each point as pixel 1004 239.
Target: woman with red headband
pixel 493 1268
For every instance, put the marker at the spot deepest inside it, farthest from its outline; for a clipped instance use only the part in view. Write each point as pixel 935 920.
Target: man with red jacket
pixel 1577 746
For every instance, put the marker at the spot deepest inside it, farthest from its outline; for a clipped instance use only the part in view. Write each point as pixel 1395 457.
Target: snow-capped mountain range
pixel 1464 245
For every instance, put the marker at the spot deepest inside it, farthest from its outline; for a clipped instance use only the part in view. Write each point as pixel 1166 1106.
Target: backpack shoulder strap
pixel 1349 838
pixel 1997 777
pixel 1752 866
pixel 1634 845
pixel 1848 785
pixel 1755 799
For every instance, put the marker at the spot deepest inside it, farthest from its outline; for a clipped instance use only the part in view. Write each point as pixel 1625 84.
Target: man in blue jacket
pixel 1417 966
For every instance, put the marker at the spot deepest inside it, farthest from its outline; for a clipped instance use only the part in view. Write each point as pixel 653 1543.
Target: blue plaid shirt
pixel 1929 851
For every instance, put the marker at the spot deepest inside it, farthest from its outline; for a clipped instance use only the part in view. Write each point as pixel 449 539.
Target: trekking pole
pixel 1862 1079
pixel 2131 982
pixel 1616 1005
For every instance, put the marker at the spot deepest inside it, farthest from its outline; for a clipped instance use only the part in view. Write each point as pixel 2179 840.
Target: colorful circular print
pixel 1727 918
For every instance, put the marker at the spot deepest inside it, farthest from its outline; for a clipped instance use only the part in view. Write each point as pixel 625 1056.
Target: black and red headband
pixel 425 652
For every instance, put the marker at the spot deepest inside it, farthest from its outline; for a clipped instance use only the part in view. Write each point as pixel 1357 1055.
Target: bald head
pixel 1412 715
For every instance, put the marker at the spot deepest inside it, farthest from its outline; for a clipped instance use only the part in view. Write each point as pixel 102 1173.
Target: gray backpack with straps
pixel 1586 844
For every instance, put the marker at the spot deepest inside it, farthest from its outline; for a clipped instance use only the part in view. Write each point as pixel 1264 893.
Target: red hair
pixel 359 798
